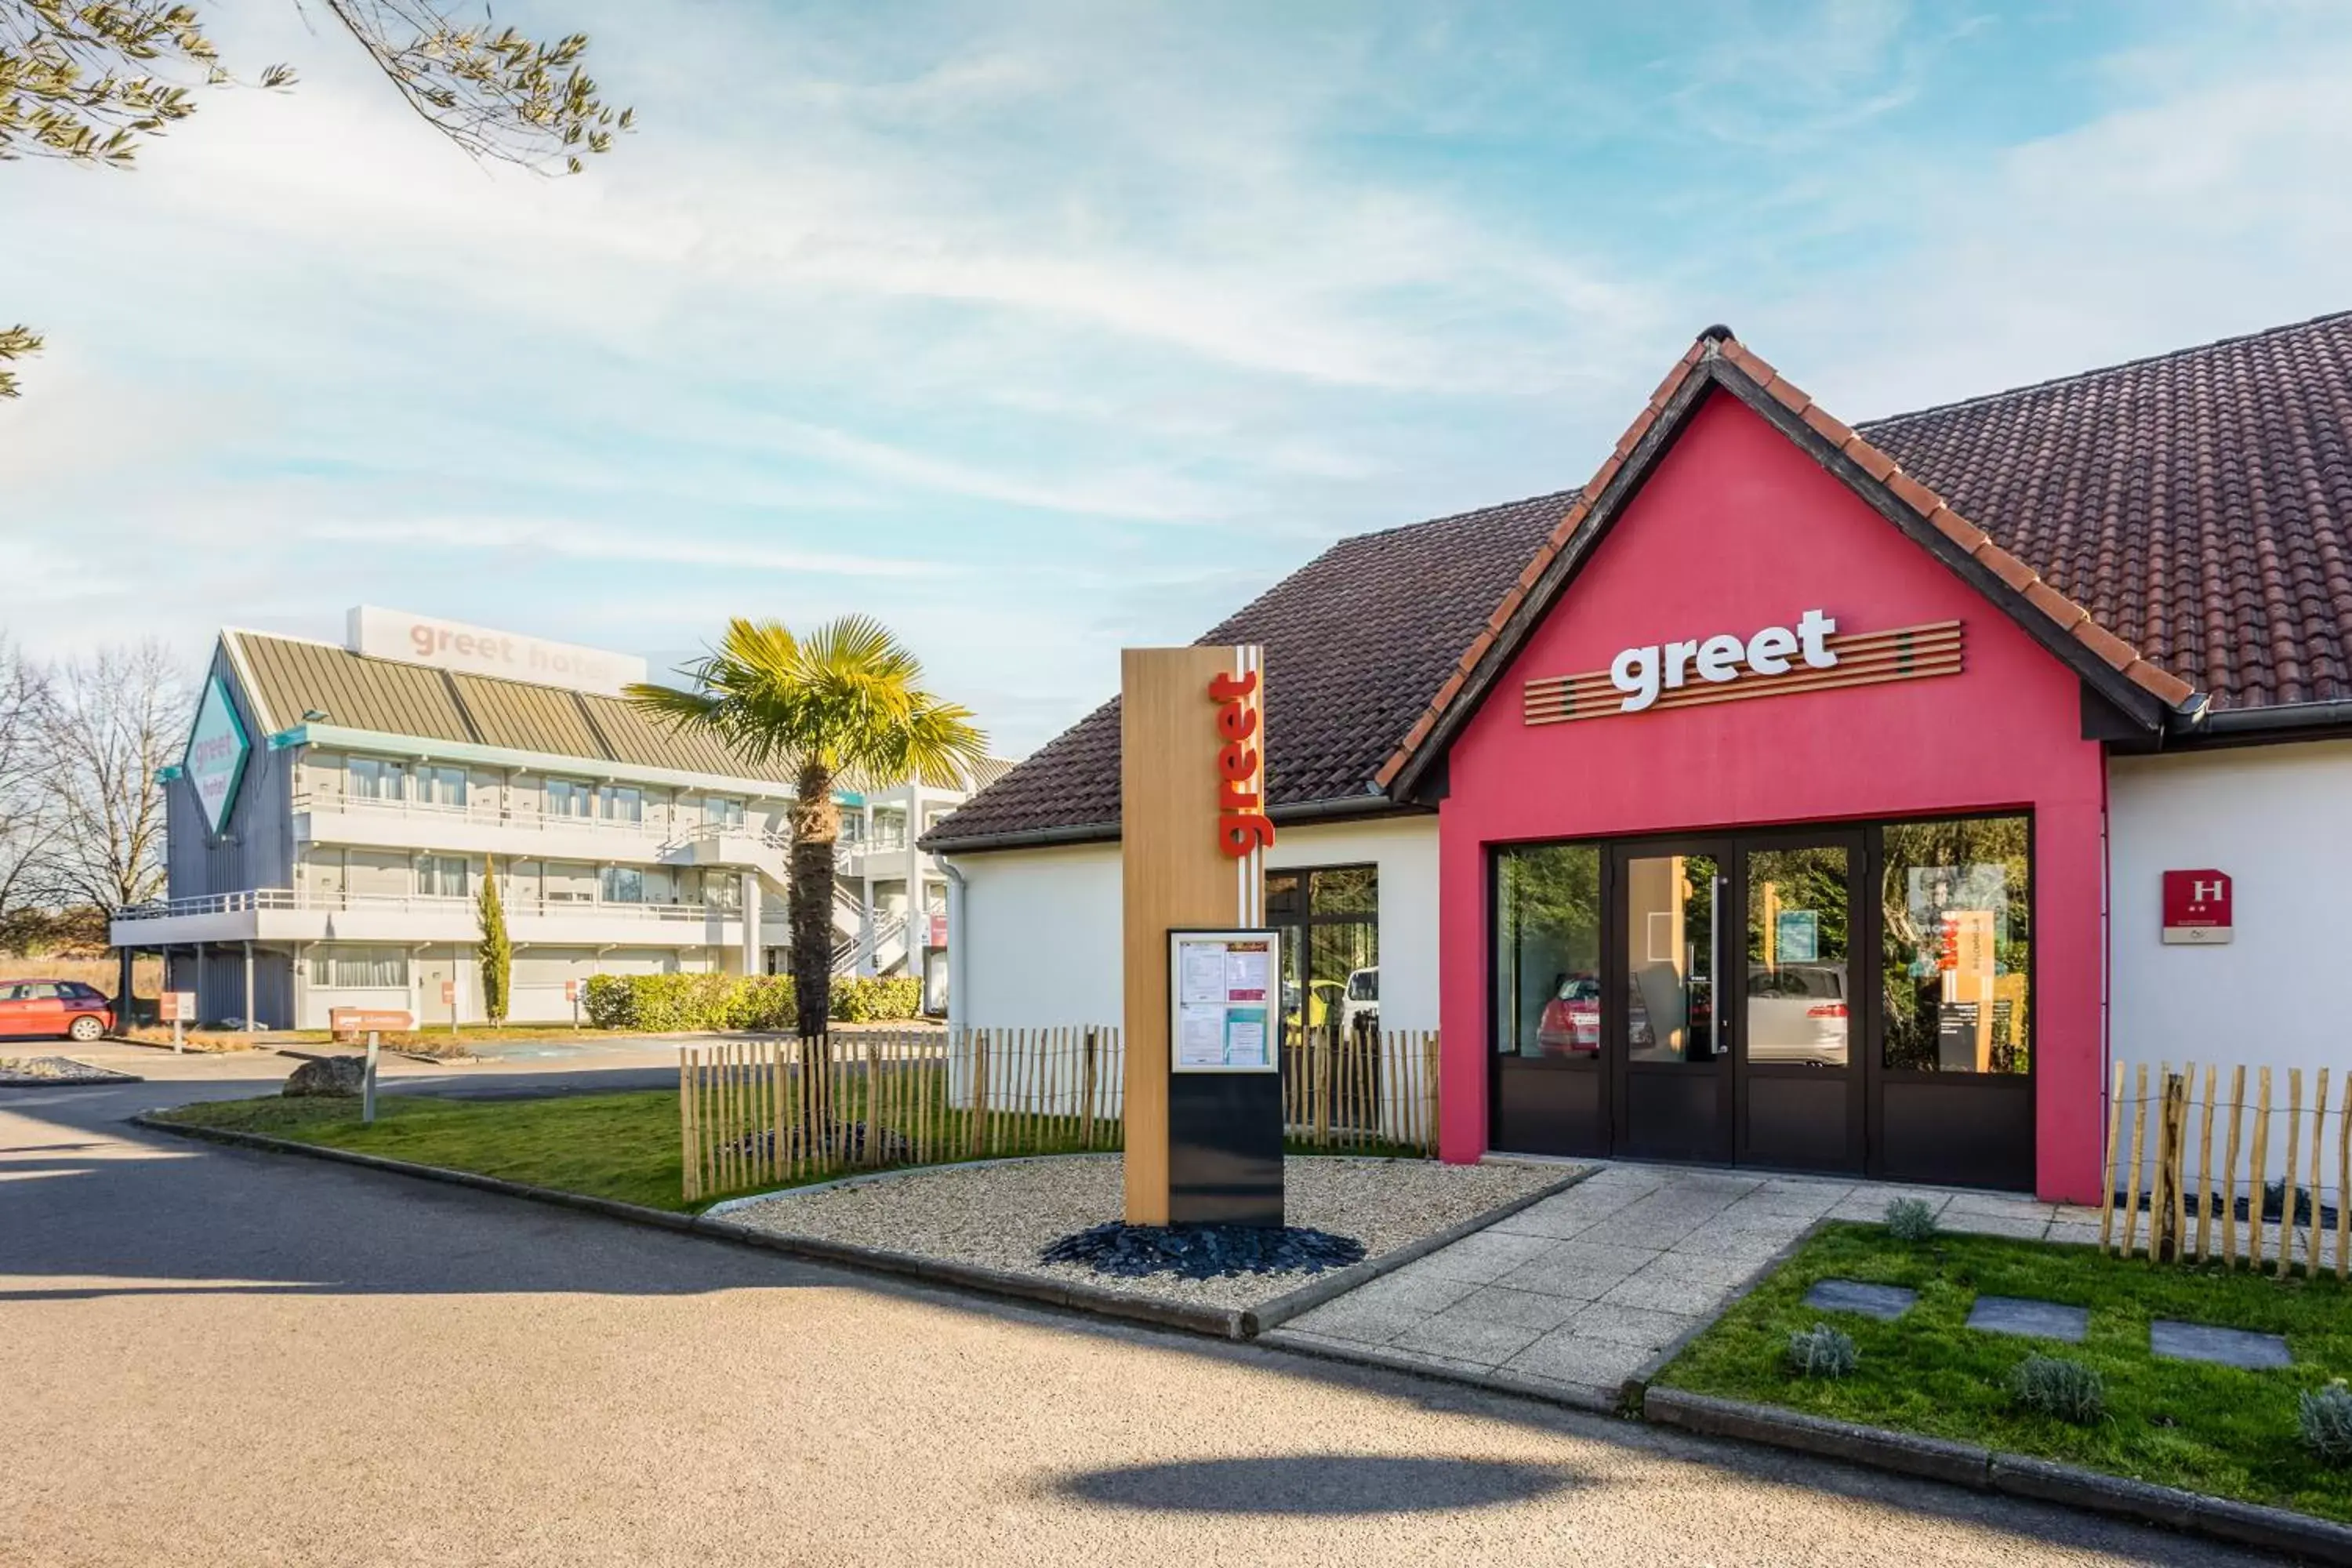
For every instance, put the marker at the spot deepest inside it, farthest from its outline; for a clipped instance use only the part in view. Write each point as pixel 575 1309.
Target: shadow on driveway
pixel 1311 1484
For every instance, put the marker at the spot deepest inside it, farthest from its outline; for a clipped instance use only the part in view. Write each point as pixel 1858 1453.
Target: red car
pixel 65 1007
pixel 1571 1019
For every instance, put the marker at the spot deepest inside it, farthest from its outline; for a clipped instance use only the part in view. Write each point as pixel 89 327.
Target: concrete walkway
pixel 1572 1297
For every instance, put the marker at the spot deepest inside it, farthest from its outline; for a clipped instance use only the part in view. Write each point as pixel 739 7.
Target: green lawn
pixel 622 1146
pixel 2207 1428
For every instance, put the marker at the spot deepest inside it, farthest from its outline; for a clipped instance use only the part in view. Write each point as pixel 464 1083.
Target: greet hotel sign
pixel 478 650
pixel 213 763
pixel 1810 656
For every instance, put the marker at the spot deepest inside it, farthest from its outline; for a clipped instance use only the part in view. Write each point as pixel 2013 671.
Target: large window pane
pixel 1797 956
pixel 1548 951
pixel 1957 915
pixel 1670 946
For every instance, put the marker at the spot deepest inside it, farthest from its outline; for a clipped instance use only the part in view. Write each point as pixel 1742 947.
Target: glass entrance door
pixel 1798 1091
pixel 1668 1036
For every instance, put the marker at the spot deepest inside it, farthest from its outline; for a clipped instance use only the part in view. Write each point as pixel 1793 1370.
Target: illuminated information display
pixel 1224 990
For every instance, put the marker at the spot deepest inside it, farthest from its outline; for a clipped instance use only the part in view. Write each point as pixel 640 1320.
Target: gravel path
pixel 1002 1216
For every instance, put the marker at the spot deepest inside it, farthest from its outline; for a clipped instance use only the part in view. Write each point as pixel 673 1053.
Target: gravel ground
pixel 25 1070
pixel 1002 1216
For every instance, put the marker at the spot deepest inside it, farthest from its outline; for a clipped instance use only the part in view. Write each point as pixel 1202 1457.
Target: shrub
pixel 681 1003
pixel 2325 1419
pixel 2058 1387
pixel 859 1000
pixel 1821 1352
pixel 1910 1219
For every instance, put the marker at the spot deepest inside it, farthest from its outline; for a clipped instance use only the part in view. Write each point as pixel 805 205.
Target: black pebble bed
pixel 1203 1251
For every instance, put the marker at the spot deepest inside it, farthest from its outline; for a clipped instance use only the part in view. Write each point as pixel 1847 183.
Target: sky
pixel 1038 330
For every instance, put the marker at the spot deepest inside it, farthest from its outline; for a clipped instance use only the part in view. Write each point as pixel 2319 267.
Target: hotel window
pixel 1329 918
pixel 1956 902
pixel 622 802
pixel 376 778
pixel 442 876
pixel 623 884
pixel 441 786
pixel 889 830
pixel 727 815
pixel 569 882
pixel 567 797
pixel 1548 951
pixel 377 968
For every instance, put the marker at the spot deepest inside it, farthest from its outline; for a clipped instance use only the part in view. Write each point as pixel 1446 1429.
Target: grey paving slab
pixel 2073 1234
pixel 1478 1340
pixel 1581 1270
pixel 1521 1308
pixel 1966 1222
pixel 2228 1347
pixel 2033 1319
pixel 1484 1257
pixel 1998 1205
pixel 1569 1357
pixel 1416 1286
pixel 1885 1302
pixel 1654 1291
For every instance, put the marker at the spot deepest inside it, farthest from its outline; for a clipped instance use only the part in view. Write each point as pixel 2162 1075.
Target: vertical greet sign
pixel 214 761
pixel 1203 1143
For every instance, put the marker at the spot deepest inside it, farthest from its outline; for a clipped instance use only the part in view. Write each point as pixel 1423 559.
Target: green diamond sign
pixel 214 764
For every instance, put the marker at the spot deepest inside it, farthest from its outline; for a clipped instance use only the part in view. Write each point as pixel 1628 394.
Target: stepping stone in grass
pixel 2034 1320
pixel 2229 1347
pixel 1885 1302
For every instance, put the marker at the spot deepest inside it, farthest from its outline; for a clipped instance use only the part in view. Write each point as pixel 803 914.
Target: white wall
pixel 1041 927
pixel 2278 820
pixel 1041 937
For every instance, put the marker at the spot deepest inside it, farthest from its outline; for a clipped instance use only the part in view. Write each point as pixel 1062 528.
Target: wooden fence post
pixel 2164 1190
pixel 2260 1172
pixel 2205 1173
pixel 2318 1127
pixel 2230 1167
pixel 2131 1177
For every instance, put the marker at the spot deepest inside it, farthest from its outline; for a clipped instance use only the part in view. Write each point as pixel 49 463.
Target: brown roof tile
pixel 1356 641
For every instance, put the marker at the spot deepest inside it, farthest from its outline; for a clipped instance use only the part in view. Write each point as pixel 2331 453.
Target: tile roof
pixel 2186 520
pixel 289 677
pixel 2199 504
pixel 1354 641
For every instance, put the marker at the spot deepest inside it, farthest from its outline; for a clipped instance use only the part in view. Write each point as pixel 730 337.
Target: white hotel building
pixel 330 822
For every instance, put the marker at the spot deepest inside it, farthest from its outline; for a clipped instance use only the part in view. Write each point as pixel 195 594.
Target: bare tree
pixel 109 723
pixel 26 826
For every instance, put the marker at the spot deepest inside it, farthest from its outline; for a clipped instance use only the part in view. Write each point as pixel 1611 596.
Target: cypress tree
pixel 496 953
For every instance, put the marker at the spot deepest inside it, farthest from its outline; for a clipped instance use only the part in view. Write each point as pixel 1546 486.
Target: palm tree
pixel 842 707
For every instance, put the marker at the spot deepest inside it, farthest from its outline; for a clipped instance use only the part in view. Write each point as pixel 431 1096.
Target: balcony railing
pixel 329 901
pixel 524 820
pixel 643 832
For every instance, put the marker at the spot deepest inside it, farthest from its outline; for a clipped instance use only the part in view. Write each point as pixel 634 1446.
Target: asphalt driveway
pixel 211 1355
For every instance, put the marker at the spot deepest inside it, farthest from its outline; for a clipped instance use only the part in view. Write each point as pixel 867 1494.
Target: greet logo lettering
pixel 1811 656
pixel 214 761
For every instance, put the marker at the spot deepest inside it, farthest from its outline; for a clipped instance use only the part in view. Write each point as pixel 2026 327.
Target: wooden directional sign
pixel 1202 1144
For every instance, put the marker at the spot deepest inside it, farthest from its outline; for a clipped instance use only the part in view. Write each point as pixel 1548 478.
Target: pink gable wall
pixel 1737 529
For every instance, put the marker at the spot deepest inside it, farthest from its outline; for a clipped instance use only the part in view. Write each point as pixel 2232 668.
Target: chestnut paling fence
pixel 2176 1145
pixel 759 1113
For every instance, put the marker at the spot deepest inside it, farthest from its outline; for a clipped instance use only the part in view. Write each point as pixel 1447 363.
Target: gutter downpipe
pixel 956 889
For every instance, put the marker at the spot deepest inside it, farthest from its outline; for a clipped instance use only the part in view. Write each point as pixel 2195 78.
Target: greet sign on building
pixel 214 764
pixel 1812 654
pixel 479 650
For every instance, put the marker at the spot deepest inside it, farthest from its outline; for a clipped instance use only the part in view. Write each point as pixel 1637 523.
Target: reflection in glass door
pixel 1675 1081
pixel 1799 1093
